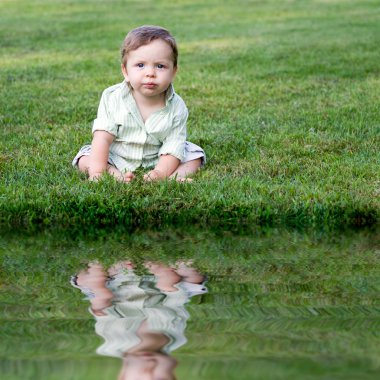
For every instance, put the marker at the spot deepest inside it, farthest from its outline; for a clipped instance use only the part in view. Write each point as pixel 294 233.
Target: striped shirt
pixel 137 143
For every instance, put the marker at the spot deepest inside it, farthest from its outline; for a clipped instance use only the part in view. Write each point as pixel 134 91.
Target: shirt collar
pixel 169 93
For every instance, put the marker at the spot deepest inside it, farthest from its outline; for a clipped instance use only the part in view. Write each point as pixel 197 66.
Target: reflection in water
pixel 141 318
pixel 284 305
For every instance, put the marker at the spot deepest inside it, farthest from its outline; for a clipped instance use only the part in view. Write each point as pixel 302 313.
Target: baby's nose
pixel 150 71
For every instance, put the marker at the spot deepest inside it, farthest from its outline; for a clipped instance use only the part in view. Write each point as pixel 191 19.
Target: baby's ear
pixel 124 71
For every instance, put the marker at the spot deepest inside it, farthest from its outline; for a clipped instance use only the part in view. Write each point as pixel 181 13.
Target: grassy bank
pixel 283 97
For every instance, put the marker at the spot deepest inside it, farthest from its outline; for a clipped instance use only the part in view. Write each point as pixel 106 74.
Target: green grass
pixel 283 97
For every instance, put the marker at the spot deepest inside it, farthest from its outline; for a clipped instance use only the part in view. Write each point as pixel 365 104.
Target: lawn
pixel 283 96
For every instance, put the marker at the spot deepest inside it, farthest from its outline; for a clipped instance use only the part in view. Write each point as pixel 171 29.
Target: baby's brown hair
pixel 144 35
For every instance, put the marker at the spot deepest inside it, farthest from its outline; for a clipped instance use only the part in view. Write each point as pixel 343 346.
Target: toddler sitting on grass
pixel 141 122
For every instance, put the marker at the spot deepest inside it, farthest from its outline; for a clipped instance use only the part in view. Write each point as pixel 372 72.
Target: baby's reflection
pixel 142 318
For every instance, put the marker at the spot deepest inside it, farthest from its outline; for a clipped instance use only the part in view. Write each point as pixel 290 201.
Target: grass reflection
pixel 281 304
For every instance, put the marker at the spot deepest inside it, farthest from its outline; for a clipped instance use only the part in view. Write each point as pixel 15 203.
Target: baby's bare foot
pixel 183 179
pixel 128 176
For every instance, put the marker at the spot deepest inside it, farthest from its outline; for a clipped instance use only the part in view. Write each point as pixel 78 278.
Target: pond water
pixel 274 304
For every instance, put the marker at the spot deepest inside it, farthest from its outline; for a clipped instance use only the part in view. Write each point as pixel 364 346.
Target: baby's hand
pixel 121 177
pixel 154 175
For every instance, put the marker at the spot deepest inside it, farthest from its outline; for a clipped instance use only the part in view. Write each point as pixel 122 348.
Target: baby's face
pixel 150 69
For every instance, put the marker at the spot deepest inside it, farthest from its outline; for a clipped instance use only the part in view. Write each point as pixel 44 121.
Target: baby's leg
pixel 84 163
pixel 186 169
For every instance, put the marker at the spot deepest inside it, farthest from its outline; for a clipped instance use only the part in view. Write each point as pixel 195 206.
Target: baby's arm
pixel 173 146
pixel 100 147
pixel 166 276
pixel 166 165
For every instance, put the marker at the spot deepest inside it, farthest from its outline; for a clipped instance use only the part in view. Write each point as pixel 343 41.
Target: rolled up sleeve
pixel 174 142
pixel 104 121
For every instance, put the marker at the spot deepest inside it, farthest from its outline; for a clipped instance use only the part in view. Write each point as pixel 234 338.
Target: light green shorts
pixel 192 152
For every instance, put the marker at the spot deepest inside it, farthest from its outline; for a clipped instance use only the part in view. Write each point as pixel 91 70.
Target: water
pixel 201 304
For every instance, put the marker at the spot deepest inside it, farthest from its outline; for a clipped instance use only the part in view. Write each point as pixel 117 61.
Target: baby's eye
pixel 140 65
pixel 160 66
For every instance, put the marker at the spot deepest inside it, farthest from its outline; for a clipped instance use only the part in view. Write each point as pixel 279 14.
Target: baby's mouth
pixel 150 85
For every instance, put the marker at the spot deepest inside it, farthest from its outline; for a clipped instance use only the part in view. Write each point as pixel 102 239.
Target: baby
pixel 141 122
